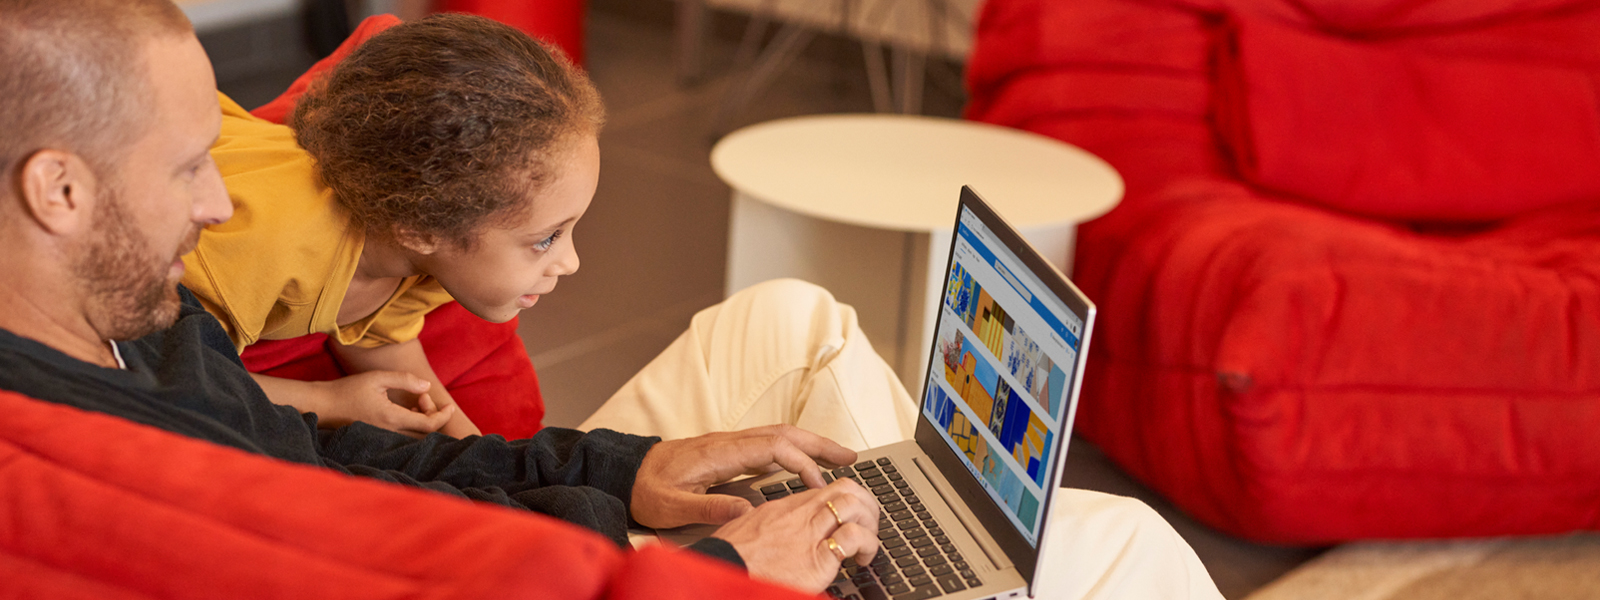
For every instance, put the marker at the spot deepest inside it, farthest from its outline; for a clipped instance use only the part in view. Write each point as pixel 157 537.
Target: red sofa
pixel 1354 288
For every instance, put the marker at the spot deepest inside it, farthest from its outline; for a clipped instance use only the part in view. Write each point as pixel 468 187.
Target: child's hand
pixel 366 397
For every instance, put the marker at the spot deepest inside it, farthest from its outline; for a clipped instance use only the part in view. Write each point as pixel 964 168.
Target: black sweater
pixel 188 380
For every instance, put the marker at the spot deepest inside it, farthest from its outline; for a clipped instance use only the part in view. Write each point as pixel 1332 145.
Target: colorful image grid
pixel 1020 432
pixel 1012 492
pixel 1038 374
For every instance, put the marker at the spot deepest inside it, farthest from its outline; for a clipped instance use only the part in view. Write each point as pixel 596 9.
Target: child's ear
pixel 420 243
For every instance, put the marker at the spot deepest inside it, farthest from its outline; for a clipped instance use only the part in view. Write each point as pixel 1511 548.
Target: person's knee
pixel 784 291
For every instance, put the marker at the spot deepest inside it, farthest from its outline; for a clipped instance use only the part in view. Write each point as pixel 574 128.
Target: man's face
pixel 514 263
pixel 149 210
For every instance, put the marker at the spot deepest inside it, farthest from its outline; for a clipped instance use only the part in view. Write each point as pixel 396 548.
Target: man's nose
pixel 211 203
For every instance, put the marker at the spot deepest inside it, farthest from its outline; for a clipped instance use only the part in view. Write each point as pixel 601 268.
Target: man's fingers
pixel 854 541
pixel 714 509
pixel 854 504
pixel 819 448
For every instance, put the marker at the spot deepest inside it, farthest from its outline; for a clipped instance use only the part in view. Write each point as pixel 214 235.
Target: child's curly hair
pixel 438 125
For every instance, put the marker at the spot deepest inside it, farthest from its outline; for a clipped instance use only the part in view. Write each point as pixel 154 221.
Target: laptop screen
pixel 1003 362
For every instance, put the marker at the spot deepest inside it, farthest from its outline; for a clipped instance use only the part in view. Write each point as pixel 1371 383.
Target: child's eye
pixel 545 244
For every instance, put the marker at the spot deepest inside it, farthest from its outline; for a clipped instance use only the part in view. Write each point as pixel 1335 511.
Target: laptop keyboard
pixel 916 559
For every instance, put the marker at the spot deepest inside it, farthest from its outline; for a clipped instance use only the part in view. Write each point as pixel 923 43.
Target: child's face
pixel 514 263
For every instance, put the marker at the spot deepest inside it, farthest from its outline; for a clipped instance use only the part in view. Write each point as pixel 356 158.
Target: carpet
pixel 1560 567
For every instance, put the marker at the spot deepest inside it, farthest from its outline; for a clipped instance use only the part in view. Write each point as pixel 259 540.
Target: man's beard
pixel 129 295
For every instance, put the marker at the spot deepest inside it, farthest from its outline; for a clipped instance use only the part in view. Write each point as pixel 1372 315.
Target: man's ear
pixel 420 243
pixel 58 190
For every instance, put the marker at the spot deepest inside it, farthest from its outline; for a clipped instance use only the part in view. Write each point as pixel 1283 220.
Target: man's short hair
pixel 73 77
pixel 440 124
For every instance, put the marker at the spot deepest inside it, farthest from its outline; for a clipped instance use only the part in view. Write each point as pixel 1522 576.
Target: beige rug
pixel 1564 568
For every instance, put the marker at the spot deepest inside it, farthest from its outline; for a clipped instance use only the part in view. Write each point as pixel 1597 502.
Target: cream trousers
pixel 785 351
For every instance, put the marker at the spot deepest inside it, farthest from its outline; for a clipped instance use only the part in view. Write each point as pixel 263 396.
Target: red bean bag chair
pixel 1354 288
pixel 97 507
pixel 559 22
pixel 484 365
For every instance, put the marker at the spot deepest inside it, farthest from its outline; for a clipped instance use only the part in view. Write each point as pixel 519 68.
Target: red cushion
pixel 484 365
pixel 558 22
pixel 98 507
pixel 1402 134
pixel 1292 374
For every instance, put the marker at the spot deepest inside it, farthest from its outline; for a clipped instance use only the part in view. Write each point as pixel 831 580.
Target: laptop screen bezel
pixel 1024 556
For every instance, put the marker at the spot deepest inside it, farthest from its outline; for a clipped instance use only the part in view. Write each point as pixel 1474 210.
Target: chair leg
pixel 787 46
pixel 877 77
pixel 910 66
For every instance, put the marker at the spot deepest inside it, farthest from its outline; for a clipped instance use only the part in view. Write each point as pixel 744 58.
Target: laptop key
pixel 933 561
pixel 884 534
pixel 865 464
pixel 927 551
pixel 900 515
pixel 782 494
pixel 884 461
pixel 900 551
pixel 880 490
pixel 773 489
pixel 968 574
pixel 956 557
pixel 875 481
pixel 948 548
pixel 916 571
pixel 940 539
pixel 897 588
pixel 894 542
pixel 914 533
pixel 905 561
pixel 872 592
pixel 921 593
pixel 974 583
pixel 922 542
pixel 843 472
pixel 960 564
pixel 901 483
pixel 941 570
pixel 891 579
pixel 951 585
pixel 895 507
pixel 935 531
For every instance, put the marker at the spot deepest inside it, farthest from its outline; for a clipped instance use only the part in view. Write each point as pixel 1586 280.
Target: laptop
pixel 965 503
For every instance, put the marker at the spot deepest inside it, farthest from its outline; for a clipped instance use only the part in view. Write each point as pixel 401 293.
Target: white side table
pixel 864 206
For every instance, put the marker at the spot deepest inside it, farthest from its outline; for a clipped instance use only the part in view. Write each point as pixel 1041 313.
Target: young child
pixel 448 158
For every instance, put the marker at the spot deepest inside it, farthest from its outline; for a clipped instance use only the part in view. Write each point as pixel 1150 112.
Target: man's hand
pixel 786 540
pixel 366 397
pixel 670 490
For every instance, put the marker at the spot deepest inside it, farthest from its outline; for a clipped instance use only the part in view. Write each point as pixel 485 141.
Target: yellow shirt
pixel 281 266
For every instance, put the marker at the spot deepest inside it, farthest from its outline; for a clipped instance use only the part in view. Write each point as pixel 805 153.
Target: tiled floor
pixel 653 244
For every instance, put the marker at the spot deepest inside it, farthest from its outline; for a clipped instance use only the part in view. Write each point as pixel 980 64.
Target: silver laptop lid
pixel 1002 381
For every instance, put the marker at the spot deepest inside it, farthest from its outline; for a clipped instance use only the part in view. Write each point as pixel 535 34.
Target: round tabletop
pixel 905 172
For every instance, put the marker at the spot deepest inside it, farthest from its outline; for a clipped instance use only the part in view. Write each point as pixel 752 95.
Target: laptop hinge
pixel 997 557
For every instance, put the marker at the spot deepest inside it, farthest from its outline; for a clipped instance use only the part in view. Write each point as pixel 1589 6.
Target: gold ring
pixel 837 551
pixel 835 512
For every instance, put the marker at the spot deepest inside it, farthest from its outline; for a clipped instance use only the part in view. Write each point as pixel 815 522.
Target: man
pixel 110 114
